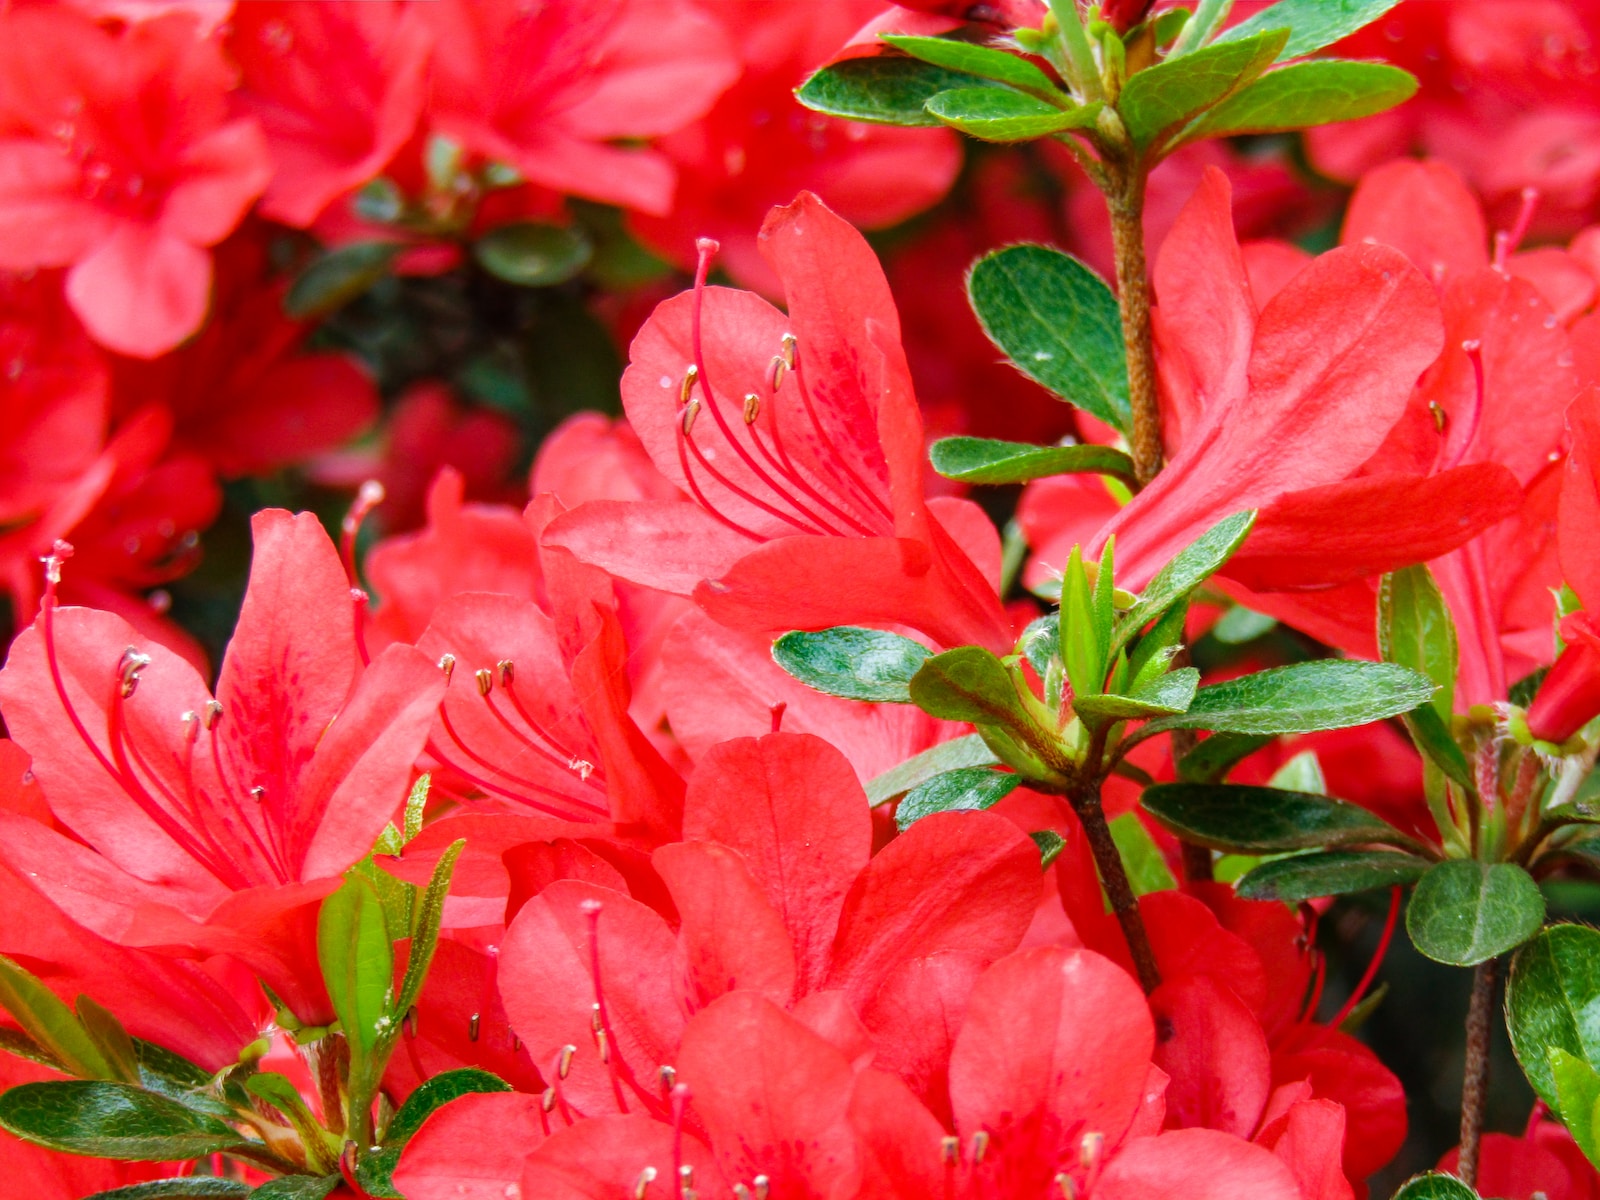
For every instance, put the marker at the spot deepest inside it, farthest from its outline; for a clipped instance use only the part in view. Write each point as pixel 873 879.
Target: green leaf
pixel 298 1187
pixel 50 1023
pixel 1313 24
pixel 416 805
pixel 110 1038
pixel 1465 912
pixel 1553 1001
pixel 968 751
pixel 961 790
pixel 1217 755
pixel 1171 693
pixel 193 1187
pixel 856 663
pixel 1240 625
pixel 1058 322
pixel 984 460
pixel 883 91
pixel 1082 642
pixel 357 961
pixel 1302 698
pixel 425 934
pixel 111 1120
pixel 1434 1186
pixel 1050 844
pixel 14 1041
pixel 1577 1086
pixel 1415 630
pixel 1321 91
pixel 337 277
pixel 1302 773
pixel 1256 820
pixel 1141 857
pixel 1163 98
pixel 1001 115
pixel 982 61
pixel 375 1173
pixel 967 684
pixel 1189 568
pixel 1330 873
pixel 282 1095
pixel 1431 733
pixel 531 254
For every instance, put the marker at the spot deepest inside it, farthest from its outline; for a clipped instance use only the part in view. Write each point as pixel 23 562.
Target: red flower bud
pixel 1123 15
pixel 1569 698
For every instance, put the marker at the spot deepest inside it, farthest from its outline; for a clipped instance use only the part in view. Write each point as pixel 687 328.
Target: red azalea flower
pixel 216 825
pixel 337 88
pixel 807 465
pixel 244 395
pixel 758 146
pixel 545 90
pixel 1544 1161
pixel 119 159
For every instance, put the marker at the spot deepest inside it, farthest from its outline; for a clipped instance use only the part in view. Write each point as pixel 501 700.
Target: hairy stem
pixel 1114 878
pixel 1125 199
pixel 1475 1085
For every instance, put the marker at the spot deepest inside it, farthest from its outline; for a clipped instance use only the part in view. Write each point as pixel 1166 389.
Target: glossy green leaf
pixel 1082 634
pixel 1330 873
pixel 1189 568
pixel 192 1187
pixel 1464 912
pixel 111 1120
pixel 1002 115
pixel 357 961
pixel 14 1041
pixel 1577 1086
pixel 1303 698
pixel 1256 820
pixel 425 933
pixel 1058 322
pixel 1434 1186
pixel 1553 1002
pixel 1163 98
pixel 110 1038
pixel 1171 693
pixel 967 684
pixel 856 663
pixel 1321 91
pixel 531 254
pixel 982 61
pixel 337 277
pixel 968 751
pixel 1313 24
pixel 1141 857
pixel 50 1023
pixel 961 790
pixel 375 1173
pixel 1050 844
pixel 883 90
pixel 298 1187
pixel 984 460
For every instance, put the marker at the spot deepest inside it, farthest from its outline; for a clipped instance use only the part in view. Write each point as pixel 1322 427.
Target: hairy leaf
pixel 1169 694
pixel 1162 99
pixel 1313 24
pixel 1553 1002
pixel 1578 1099
pixel 961 790
pixel 1321 91
pixel 968 751
pixel 1189 568
pixel 1262 820
pixel 111 1120
pixel 1001 115
pixel 1464 912
pixel 884 91
pixel 193 1187
pixel 50 1023
pixel 855 663
pixel 982 61
pixel 1434 1186
pixel 984 460
pixel 1330 873
pixel 357 961
pixel 1303 698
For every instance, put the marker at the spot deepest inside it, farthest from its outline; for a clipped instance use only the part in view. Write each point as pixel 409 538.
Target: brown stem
pixel 1475 1085
pixel 1114 878
pixel 1125 199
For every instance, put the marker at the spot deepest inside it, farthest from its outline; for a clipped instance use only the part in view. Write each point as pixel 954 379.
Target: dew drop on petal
pixel 666 381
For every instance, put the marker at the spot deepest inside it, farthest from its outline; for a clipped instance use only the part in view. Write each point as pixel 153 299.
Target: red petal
pixel 1215 1054
pixel 667 544
pixel 1196 1164
pixel 1424 210
pixel 502 1128
pixel 790 804
pixel 1311 1143
pixel 141 292
pixel 604 1158
pixel 899 1140
pixel 1578 533
pixel 730 937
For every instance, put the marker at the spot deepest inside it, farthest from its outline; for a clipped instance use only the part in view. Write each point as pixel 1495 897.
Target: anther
pixel 790 345
pixel 485 678
pixel 1091 1149
pixel 980 1145
pixel 547 1102
pixel 685 1176
pixel 447 664
pixel 690 412
pixel 763 1186
pixel 687 386
pixel 740 1192
pixel 258 793
pixel 211 714
pixel 642 1185
pixel 1064 1185
pixel 411 1021
pixel 128 671
pixel 564 1065
pixel 472 1028
pixel 1436 410
pixel 669 1076
pixel 776 370
pixel 752 408
pixel 508 672
pixel 950 1150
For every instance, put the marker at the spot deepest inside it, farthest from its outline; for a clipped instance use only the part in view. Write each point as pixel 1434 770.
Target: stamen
pixel 686 388
pixel 752 408
pixel 741 1192
pixel 778 710
pixel 485 678
pixel 368 498
pixel 834 457
pixel 447 664
pixel 680 1169
pixel 564 1063
pixel 642 1186
pixel 1064 1185
pixel 668 1077
pixel 212 714
pixel 980 1146
pixel 1460 434
pixel 1372 967
pixel 128 671
pixel 508 672
pixel 1506 243
pixel 591 910
pixel 763 1186
pixel 472 1027
pixel 950 1150
pixel 690 412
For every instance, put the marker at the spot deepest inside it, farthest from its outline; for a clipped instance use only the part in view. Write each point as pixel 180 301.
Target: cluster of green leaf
pixel 130 1100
